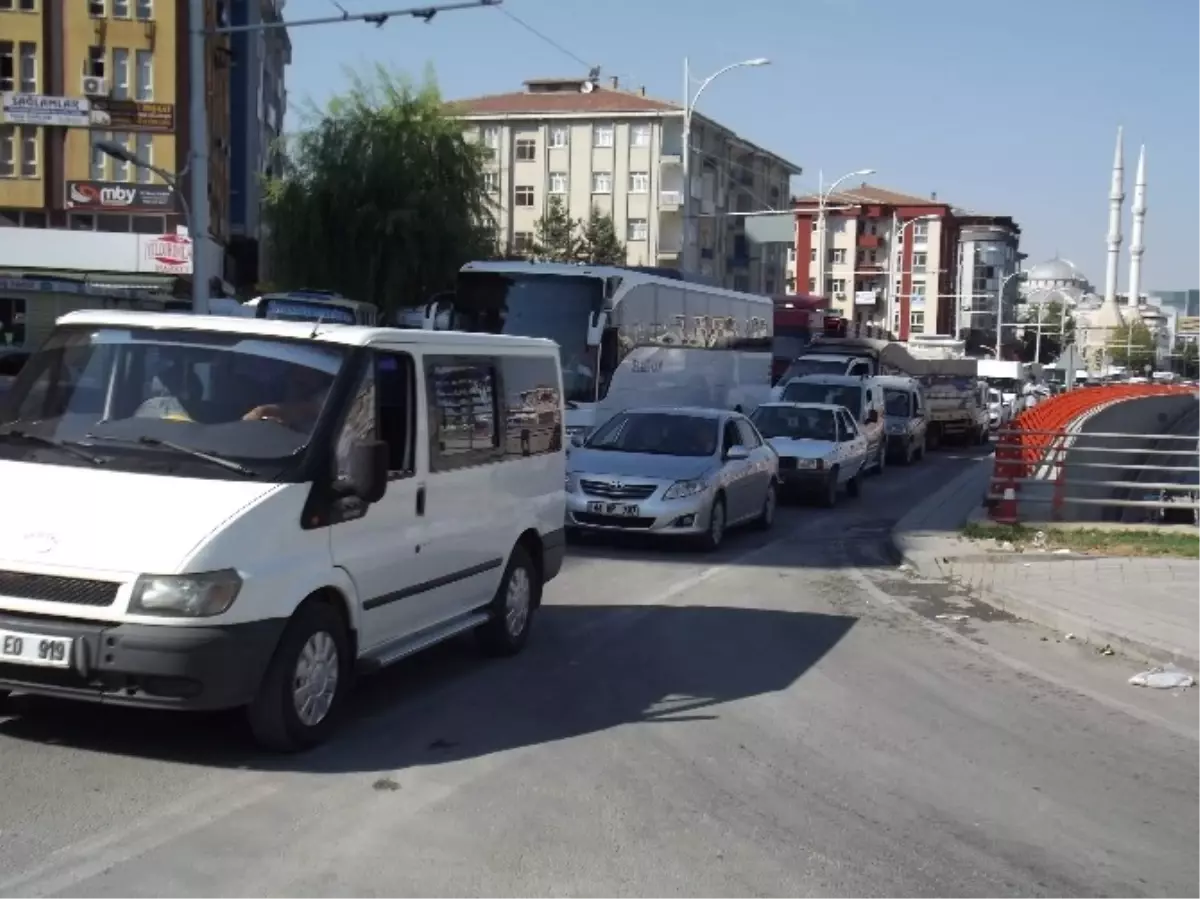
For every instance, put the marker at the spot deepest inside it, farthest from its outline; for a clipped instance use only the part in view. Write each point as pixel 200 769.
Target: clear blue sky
pixel 1008 106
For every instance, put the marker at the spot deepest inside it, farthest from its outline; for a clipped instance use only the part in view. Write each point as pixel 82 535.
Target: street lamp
pixel 689 106
pixel 121 153
pixel 822 201
pixel 896 238
pixel 1000 310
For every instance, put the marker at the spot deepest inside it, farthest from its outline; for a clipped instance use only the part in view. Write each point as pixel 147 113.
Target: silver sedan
pixel 679 472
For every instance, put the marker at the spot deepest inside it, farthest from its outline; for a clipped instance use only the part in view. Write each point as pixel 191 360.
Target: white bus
pixel 313 305
pixel 626 338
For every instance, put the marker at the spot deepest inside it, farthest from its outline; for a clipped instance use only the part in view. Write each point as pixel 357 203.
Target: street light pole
pixel 199 228
pixel 1000 311
pixel 689 106
pixel 823 196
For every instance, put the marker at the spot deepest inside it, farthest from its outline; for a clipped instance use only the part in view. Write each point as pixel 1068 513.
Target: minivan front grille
pixel 51 588
pixel 617 490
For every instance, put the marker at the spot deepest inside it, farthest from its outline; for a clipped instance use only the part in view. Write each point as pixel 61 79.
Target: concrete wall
pixel 1148 416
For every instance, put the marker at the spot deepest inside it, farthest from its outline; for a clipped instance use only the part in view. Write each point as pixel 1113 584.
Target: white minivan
pixel 208 512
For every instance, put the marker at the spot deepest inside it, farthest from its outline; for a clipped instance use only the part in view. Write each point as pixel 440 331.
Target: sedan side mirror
pixel 734 453
pixel 368 471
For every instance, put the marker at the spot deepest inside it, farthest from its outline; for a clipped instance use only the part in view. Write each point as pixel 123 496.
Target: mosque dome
pixel 1056 271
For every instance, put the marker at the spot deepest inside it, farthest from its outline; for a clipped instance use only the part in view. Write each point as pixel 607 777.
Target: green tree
pixel 381 198
pixel 1132 346
pixel 1187 363
pixel 600 245
pixel 1057 327
pixel 555 234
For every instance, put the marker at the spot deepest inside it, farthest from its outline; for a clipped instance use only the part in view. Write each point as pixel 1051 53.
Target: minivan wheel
pixel 303 690
pixel 511 610
pixel 715 535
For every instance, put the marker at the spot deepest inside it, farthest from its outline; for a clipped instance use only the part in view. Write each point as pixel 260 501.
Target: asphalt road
pixel 790 717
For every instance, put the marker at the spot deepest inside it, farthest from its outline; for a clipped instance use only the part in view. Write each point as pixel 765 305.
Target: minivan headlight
pixel 185 595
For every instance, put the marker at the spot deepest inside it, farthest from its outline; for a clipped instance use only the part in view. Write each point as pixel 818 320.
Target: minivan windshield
pixel 128 395
pixel 826 394
pixel 659 433
pixel 796 423
pixel 896 403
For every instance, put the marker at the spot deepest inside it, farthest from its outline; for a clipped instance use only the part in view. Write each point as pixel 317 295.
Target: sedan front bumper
pixel 651 515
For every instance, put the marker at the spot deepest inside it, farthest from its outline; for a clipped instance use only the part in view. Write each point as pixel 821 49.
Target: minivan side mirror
pixel 367 478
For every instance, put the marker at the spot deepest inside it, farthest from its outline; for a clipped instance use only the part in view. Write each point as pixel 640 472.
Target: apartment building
pixel 76 74
pixel 258 102
pixel 989 257
pixel 891 258
pixel 620 151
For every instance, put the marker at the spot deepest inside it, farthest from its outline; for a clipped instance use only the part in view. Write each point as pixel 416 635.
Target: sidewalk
pixel 1145 608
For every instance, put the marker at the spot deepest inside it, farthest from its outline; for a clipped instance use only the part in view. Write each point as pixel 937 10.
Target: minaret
pixel 1116 197
pixel 1136 248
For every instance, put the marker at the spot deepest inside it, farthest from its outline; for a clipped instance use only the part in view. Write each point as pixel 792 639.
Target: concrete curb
pixel 905 542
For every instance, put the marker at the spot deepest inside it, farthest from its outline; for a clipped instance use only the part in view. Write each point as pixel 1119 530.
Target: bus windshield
pixel 555 307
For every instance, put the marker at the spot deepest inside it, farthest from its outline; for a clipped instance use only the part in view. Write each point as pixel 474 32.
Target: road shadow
pixel 587 669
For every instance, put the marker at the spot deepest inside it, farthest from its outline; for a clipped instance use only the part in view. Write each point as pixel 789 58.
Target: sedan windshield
pixel 660 433
pixel 826 394
pixel 796 423
pixel 896 403
pixel 133 392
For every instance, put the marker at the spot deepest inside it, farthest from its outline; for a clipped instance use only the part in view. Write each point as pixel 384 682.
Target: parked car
pixel 821 448
pixel 905 420
pixel 672 472
pixel 862 396
pixel 1000 410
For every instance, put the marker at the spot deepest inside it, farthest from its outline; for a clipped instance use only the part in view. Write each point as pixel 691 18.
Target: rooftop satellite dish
pixel 586 87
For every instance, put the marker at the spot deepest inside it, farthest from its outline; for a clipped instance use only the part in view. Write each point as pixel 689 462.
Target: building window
pixel 144 77
pixel 639 229
pixel 916 299
pixel 120 9
pixel 835 285
pixel 602 182
pixel 918 262
pixel 145 152
pixel 99 166
pixel 812 285
pixel 8 151
pixel 559 136
pixel 8 67
pixel 94 65
pixel 29 68
pixel 96 9
pixel 29 151
pixel 558 182
pixel 523 196
pixel 837 256
pixel 920 232
pixel 812 255
pixel 526 149
pixel 814 224
pixel 522 241
pixel 491 182
pixel 791 254
pixel 120 73
pixel 145 9
pixel 639 135
pixel 120 168
pixel 916 322
pixel 491 137
pixel 639 182
pixel 602 136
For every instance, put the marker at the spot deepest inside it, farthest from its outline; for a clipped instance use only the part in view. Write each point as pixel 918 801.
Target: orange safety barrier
pixel 1032 435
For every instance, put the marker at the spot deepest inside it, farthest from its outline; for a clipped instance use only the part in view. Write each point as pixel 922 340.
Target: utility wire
pixel 543 37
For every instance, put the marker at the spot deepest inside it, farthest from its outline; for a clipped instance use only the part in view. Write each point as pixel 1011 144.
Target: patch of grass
pixel 1114 542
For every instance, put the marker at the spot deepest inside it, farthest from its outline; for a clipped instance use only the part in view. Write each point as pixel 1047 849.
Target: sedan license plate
pixel 623 510
pixel 35 649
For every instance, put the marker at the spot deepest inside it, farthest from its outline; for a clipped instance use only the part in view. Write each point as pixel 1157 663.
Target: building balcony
pixel 670 200
pixel 868 270
pixel 671 157
pixel 869 241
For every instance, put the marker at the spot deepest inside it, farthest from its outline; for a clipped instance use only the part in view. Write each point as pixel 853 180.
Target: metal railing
pixel 1048 469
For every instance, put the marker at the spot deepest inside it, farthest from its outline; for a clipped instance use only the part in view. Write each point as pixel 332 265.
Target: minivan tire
pixel 511 610
pixel 315 628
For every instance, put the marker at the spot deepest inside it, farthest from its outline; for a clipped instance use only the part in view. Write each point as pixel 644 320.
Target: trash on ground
pixel 1107 650
pixel 945 617
pixel 1039 540
pixel 906 567
pixel 1062 552
pixel 1007 546
pixel 1166 678
pixel 1069 637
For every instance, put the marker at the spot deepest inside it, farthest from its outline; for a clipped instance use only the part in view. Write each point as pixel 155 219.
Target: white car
pixel 821 448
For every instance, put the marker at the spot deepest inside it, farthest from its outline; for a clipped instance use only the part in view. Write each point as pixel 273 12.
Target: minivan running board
pixel 393 652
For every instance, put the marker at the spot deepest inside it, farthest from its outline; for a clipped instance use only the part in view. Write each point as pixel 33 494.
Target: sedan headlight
pixel 684 489
pixel 185 595
pixel 810 463
pixel 572 485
